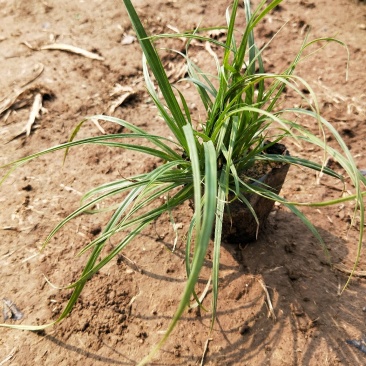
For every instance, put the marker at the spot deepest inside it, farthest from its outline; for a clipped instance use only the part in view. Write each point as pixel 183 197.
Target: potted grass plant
pixel 212 166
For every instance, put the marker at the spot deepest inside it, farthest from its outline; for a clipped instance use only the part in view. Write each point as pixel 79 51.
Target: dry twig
pixel 99 127
pixel 269 302
pixel 204 293
pixel 36 108
pixel 205 351
pixel 342 268
pixel 9 356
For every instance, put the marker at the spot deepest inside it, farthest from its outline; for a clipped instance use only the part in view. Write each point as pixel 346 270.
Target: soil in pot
pixel 239 224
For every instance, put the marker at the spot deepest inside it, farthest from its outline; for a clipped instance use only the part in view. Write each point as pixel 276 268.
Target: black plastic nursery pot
pixel 239 224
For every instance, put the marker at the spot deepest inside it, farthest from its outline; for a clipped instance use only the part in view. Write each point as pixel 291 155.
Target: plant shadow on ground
pixel 303 288
pixel 305 294
pixel 87 354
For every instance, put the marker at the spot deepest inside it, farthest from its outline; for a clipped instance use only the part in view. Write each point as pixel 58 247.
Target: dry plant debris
pixel 10 310
pixel 35 113
pixel 342 268
pixel 205 351
pixel 32 95
pixel 24 95
pixel 9 356
pixel 66 48
pixel 176 72
pixel 119 95
pixel 271 312
pixel 10 100
pixel 359 344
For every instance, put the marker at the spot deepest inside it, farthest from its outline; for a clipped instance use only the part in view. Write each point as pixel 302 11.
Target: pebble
pixel 128 39
pixel 244 329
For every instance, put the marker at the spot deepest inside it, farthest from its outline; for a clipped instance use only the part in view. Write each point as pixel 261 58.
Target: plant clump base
pixel 239 224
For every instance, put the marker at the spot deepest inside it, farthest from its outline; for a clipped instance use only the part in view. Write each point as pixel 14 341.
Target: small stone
pixel 244 329
pixel 128 39
pixel 362 26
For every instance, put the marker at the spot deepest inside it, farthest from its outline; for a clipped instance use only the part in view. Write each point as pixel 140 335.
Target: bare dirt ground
pixel 125 308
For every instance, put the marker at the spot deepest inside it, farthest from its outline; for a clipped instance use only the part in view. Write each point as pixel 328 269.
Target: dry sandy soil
pixel 125 308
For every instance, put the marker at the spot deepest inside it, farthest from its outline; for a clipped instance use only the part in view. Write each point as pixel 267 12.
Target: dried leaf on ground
pixel 176 71
pixel 67 48
pixel 10 100
pixel 119 94
pixel 35 113
pixel 72 49
pixel 30 96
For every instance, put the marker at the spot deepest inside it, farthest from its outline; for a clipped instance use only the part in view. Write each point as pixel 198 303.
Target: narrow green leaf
pixel 159 73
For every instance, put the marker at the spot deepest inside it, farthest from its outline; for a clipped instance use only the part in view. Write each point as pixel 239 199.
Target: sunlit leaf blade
pixel 202 237
pixel 157 68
